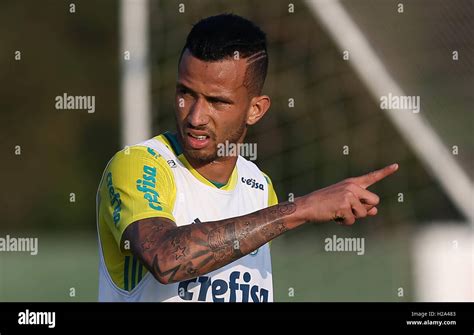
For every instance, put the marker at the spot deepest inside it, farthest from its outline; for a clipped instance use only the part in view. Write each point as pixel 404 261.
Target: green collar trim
pixel 174 143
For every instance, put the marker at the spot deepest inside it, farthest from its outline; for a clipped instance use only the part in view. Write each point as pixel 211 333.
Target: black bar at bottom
pixel 442 318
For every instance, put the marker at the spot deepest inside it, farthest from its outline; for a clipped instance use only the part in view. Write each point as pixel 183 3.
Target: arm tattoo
pixel 174 253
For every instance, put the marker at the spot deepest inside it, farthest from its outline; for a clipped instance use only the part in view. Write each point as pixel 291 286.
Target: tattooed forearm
pixel 223 242
pixel 177 253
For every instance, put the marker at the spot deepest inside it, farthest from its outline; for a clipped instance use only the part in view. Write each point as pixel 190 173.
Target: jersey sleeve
pixel 137 184
pixel 272 197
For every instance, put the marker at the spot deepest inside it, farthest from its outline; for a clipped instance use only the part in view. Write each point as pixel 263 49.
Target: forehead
pixel 207 77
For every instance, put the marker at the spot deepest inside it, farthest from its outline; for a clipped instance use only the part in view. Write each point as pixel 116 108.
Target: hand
pixel 347 200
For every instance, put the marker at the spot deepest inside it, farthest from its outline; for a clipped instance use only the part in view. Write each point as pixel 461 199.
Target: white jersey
pixel 248 279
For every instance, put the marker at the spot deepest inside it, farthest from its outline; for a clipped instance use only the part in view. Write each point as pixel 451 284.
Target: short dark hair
pixel 219 37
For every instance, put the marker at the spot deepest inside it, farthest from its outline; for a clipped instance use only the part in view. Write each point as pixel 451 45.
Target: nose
pixel 198 114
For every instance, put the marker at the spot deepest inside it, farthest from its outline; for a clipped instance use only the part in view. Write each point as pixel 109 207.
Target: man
pixel 179 222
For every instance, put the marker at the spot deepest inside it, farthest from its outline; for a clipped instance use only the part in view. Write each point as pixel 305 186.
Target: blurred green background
pixel 64 152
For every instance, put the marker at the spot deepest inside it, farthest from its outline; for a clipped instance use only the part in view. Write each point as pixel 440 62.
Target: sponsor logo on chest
pixel 252 183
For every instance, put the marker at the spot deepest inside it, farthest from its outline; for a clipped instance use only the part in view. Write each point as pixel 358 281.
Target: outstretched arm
pixel 174 253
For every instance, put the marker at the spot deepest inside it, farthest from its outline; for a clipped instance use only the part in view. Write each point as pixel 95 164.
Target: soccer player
pixel 179 222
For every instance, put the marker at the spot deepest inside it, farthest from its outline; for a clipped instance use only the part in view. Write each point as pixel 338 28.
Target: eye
pixel 183 90
pixel 216 101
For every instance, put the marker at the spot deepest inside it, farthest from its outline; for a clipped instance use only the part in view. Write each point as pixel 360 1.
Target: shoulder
pixel 248 166
pixel 137 155
pixel 134 162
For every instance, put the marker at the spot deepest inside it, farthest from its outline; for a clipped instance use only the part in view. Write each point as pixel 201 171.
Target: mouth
pixel 197 139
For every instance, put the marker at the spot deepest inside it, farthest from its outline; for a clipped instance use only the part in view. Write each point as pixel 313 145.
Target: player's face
pixel 211 105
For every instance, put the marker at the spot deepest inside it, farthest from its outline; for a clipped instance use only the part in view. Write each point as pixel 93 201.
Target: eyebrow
pixel 208 97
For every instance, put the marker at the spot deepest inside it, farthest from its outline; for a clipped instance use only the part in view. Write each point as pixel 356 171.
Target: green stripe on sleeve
pixel 134 271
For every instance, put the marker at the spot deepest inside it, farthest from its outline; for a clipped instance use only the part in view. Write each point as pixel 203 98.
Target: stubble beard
pixel 210 155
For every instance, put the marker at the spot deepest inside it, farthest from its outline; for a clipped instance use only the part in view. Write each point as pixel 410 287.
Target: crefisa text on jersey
pixel 147 185
pixel 219 289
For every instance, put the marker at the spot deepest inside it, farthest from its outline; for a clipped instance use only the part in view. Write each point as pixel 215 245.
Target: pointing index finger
pixel 375 176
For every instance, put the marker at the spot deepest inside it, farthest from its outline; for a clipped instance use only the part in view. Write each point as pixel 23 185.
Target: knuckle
pixel 348 195
pixel 350 185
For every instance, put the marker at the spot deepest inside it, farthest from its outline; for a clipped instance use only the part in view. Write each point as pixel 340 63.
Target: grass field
pixel 302 270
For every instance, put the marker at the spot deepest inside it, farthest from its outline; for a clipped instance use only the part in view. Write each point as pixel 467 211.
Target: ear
pixel 258 107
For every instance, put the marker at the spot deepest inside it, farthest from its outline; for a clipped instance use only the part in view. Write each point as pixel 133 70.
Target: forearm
pixel 179 253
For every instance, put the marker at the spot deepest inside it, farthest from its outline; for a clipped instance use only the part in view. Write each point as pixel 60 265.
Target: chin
pixel 201 156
